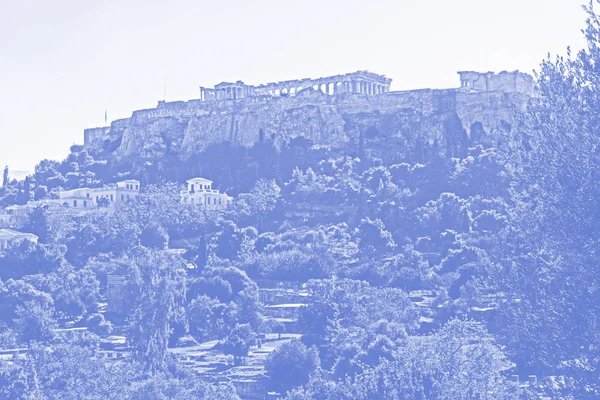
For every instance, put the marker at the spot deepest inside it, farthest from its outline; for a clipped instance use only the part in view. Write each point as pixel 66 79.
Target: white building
pixel 200 192
pixel 89 197
pixel 9 237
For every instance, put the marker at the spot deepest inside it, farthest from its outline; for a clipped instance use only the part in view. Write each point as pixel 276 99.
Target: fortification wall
pixel 94 137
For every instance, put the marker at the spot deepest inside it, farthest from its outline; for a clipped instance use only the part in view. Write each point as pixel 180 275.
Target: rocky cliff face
pixel 387 125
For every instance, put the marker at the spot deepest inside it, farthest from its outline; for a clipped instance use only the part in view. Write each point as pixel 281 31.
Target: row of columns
pixel 331 88
pixel 357 86
pixel 227 93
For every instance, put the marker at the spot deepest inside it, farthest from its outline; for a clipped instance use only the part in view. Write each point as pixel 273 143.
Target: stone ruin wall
pixel 363 82
pixel 506 82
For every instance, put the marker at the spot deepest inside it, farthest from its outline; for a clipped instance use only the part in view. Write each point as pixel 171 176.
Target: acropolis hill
pixel 337 112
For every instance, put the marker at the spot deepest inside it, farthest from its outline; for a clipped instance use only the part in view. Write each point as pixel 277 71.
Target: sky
pixel 64 62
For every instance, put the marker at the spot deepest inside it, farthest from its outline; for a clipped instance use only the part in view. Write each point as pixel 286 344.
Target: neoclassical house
pixel 9 237
pixel 200 192
pixel 89 197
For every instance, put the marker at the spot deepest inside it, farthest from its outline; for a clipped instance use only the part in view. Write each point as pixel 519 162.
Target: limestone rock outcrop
pixel 388 124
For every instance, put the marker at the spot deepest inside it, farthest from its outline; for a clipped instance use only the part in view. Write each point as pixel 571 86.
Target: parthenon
pixel 363 82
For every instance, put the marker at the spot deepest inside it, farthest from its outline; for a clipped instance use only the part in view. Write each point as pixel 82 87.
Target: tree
pixel 460 361
pixel 546 261
pixel 229 241
pixel 155 236
pixel 34 322
pixel 37 223
pixel 239 341
pixel 208 318
pixel 374 239
pixel 27 258
pixel 16 381
pixel 28 310
pixel 5 179
pixel 25 195
pixel 291 365
pixel 257 206
pixel 156 289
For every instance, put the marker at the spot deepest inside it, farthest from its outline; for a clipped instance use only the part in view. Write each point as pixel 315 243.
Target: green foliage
pixel 5 177
pixel 155 236
pixel 257 206
pixel 209 319
pixel 238 341
pixel 291 365
pixel 78 370
pixel 28 311
pixel 373 238
pixel 34 321
pixel 37 223
pixel 544 262
pixel 98 325
pixel 461 361
pixel 156 286
pixel 342 303
pixel 27 258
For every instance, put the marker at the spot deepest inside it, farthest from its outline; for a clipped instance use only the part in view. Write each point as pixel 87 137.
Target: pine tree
pixel 5 177
pixel 27 190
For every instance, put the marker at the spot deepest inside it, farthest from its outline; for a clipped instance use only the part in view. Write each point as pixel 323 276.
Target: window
pixel 87 195
pixel 122 197
pixel 74 203
pixel 84 203
pixel 111 197
pixel 219 201
pixel 214 200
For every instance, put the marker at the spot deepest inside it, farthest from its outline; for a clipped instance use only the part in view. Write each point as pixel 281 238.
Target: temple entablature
pixel 362 82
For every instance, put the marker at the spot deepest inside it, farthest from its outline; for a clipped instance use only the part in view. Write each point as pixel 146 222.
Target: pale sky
pixel 63 62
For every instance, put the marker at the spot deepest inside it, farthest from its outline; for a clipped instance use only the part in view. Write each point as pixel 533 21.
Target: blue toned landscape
pixel 323 237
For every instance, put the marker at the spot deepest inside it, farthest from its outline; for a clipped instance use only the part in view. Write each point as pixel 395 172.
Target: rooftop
pixel 10 234
pixel 199 180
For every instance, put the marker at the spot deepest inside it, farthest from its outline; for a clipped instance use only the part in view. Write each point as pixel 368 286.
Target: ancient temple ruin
pixel 363 82
pixel 504 82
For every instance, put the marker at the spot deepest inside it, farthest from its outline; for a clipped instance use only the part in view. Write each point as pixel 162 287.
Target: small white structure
pixel 88 198
pixel 200 192
pixel 8 237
